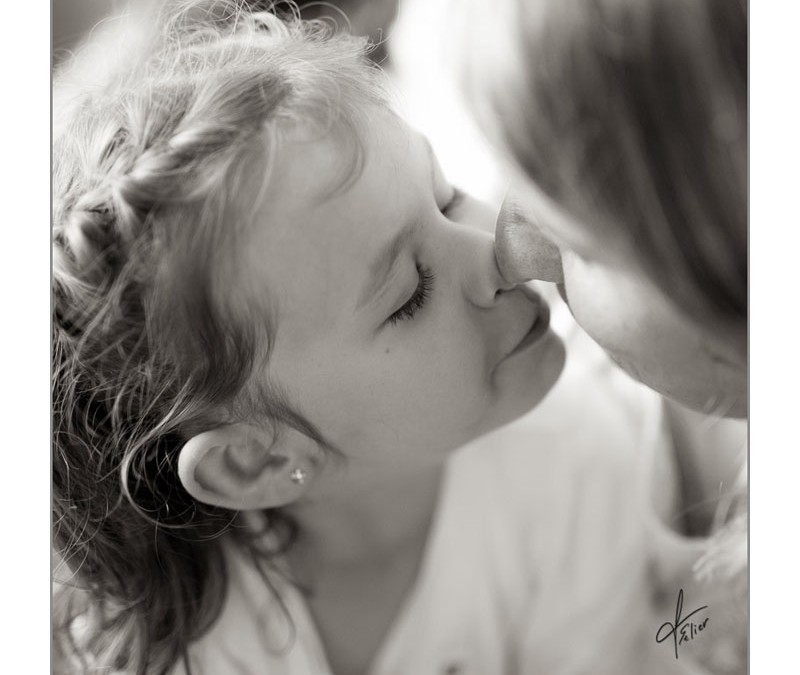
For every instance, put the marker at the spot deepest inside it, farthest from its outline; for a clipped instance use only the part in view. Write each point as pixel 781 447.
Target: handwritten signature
pixel 682 630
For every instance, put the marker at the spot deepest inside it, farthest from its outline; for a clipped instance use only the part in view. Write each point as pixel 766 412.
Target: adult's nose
pixel 523 252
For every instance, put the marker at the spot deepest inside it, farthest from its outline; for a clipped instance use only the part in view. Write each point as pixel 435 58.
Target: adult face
pixel 617 304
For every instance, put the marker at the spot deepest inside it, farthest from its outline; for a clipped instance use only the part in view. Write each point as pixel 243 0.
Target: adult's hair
pixel 632 115
pixel 156 336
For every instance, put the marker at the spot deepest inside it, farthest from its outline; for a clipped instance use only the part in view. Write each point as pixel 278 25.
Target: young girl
pixel 274 322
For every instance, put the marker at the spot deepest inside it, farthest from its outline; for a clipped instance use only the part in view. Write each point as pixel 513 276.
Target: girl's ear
pixel 243 467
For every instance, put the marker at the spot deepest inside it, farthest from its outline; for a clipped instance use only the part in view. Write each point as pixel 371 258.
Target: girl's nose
pixel 485 283
pixel 523 252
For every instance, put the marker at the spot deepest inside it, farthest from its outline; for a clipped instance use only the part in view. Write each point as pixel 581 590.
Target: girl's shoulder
pixel 568 483
pixel 564 490
pixel 587 448
pixel 260 628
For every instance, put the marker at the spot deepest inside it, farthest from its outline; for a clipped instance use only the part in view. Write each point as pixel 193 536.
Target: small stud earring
pixel 298 476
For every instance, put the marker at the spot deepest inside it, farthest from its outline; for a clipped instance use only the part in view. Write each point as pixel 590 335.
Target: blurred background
pixel 74 19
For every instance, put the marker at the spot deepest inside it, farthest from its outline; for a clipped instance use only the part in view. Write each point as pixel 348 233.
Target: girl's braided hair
pixel 156 171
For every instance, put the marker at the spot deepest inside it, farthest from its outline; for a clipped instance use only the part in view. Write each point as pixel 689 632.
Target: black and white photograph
pixel 400 337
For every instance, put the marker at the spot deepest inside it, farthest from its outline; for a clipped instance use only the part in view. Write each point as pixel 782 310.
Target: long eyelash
pixel 418 299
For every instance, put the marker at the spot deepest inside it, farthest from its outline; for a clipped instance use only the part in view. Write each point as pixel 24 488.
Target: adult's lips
pixel 522 251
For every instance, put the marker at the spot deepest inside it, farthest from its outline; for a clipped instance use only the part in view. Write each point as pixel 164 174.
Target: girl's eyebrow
pixel 383 267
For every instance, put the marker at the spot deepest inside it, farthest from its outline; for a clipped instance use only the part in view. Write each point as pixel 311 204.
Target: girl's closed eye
pixel 418 298
pixel 425 274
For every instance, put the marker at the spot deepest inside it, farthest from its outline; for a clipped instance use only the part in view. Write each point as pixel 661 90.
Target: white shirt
pixel 538 561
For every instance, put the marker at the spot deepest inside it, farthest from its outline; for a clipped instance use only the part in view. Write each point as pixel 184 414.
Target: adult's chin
pixel 712 390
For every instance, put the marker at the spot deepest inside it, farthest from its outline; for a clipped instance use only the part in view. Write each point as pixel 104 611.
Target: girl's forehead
pixel 312 168
pixel 348 180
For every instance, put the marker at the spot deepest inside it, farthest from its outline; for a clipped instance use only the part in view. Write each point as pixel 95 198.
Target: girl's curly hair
pixel 156 171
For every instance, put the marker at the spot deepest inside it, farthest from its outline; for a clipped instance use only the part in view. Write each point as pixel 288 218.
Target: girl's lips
pixel 541 323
